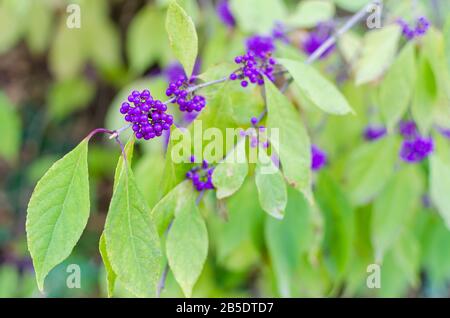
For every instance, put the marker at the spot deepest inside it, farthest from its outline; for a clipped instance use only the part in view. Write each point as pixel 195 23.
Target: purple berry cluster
pixel 201 176
pixel 279 32
pixel 316 38
pixel 186 100
pixel 372 133
pixel 421 28
pixel 147 116
pixel 257 62
pixel 318 158
pixel 415 147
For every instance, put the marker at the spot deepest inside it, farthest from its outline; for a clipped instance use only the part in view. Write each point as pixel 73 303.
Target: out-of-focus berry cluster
pixel 201 176
pixel 147 116
pixel 257 62
pixel 415 147
pixel 373 132
pixel 420 29
pixel 187 100
pixel 316 38
pixel 318 158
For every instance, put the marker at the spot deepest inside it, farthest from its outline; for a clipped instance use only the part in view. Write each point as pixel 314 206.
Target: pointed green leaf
pixel 147 24
pixel 271 186
pixel 440 186
pixel 379 50
pixel 339 224
pixel 292 143
pixel 175 171
pixel 110 274
pixel 58 211
pixel 128 153
pixel 170 205
pixel 317 88
pixel 131 239
pixel 397 88
pixel 393 209
pixel 425 96
pixel 369 168
pixel 187 246
pixel 288 239
pixel 182 36
pixel 229 175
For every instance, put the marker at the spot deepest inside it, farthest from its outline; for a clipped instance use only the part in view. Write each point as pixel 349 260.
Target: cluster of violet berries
pixel 415 147
pixel 420 29
pixel 201 176
pixel 317 38
pixel 147 115
pixel 186 100
pixel 257 62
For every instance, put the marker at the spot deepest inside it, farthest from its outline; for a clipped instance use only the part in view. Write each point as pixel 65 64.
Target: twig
pixel 347 26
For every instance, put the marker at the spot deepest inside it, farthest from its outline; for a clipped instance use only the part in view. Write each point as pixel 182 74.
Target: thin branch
pixel 358 16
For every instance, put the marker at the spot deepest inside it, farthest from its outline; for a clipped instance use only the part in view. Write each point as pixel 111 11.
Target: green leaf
pixel 187 246
pixel 174 170
pixel 10 129
pixel 175 201
pixel 67 53
pixel 255 16
pixel 132 241
pixel 68 96
pixel 128 153
pixel 229 175
pixel 425 96
pixel 11 23
pixel 40 24
pixel 272 190
pixel 292 143
pixel 287 240
pixel 110 274
pixel 316 88
pixel 394 209
pixel 379 50
pixel 58 211
pixel 397 88
pixel 237 233
pixel 182 36
pixel 440 186
pixel 369 168
pixel 447 42
pixel 339 224
pixel 146 39
pixel 311 12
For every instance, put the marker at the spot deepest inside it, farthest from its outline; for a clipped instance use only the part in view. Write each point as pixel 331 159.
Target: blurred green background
pixel 57 84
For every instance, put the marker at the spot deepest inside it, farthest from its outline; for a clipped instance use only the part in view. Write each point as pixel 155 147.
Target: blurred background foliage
pixel 57 84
